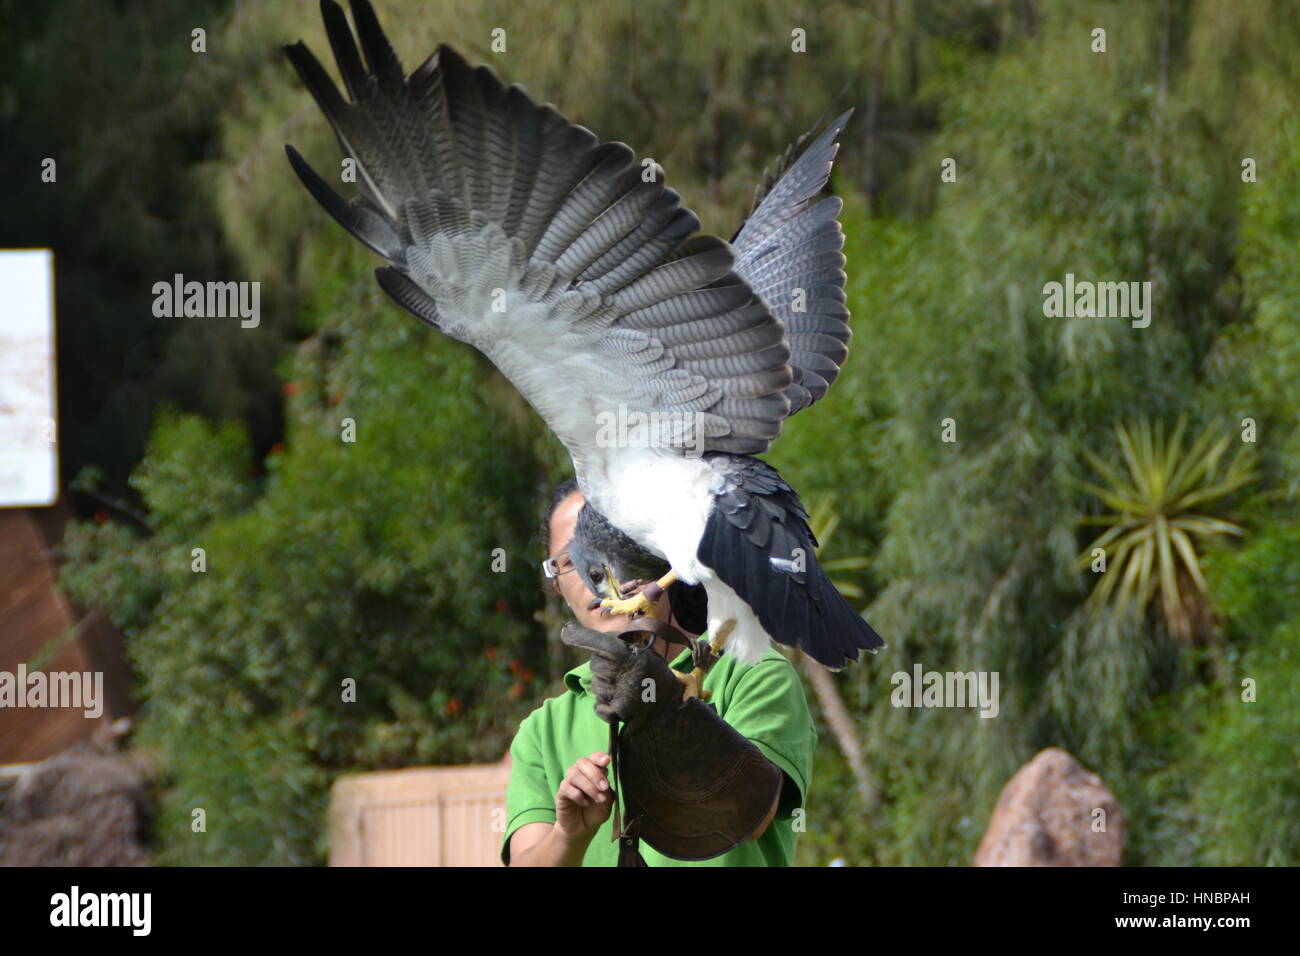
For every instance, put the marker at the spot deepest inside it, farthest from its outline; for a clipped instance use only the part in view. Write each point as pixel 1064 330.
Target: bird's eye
pixel 596 575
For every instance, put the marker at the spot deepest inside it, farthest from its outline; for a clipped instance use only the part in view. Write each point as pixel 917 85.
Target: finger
pixel 578 780
pixel 603 669
pixel 586 794
pixel 606 713
pixel 571 794
pixel 598 642
pixel 595 775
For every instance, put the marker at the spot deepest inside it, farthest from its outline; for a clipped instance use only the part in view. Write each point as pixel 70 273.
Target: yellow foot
pixel 641 603
pixel 720 638
pixel 632 606
pixel 693 681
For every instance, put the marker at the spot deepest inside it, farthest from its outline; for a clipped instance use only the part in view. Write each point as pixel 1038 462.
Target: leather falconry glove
pixel 693 786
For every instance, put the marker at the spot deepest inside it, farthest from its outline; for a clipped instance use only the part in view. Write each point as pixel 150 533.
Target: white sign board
pixel 29 451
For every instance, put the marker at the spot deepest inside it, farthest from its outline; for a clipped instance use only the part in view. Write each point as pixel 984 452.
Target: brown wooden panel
pixel 35 621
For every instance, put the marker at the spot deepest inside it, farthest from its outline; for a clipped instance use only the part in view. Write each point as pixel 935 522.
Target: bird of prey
pixel 613 565
pixel 577 272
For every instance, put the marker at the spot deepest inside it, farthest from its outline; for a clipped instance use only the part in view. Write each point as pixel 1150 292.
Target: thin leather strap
pixel 629 851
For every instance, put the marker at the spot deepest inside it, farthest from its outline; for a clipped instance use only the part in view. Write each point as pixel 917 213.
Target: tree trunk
pixel 841 724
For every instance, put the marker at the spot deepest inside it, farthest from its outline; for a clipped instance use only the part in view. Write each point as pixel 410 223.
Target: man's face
pixel 572 587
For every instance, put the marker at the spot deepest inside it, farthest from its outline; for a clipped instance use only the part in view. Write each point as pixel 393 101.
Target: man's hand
pixel 630 682
pixel 584 800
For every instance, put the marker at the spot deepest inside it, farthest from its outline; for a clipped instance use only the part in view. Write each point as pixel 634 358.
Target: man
pixel 559 800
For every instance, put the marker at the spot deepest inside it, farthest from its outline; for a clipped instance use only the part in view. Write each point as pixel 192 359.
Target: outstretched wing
pixel 789 252
pixel 562 259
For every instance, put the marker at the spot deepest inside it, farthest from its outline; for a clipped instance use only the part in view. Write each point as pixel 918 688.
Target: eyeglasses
pixel 560 564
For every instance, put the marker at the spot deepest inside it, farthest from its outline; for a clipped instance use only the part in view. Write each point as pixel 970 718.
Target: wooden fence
pixel 429 816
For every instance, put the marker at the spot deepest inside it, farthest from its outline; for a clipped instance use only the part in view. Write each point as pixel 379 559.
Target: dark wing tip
pixel 404 291
pixel 380 55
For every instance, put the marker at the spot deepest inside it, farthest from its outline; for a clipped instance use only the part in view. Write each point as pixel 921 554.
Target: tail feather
pixel 757 541
pixel 814 617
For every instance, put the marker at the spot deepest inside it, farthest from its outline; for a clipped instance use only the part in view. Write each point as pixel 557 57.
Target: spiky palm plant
pixel 1162 507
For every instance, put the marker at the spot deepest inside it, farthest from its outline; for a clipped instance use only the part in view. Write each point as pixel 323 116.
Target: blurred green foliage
pixel 371 560
pixel 1245 799
pixel 1104 167
pixel 115 96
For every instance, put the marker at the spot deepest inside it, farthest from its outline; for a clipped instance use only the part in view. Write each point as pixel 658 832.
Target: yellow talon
pixel 639 603
pixel 718 639
pixel 694 684
pixel 632 606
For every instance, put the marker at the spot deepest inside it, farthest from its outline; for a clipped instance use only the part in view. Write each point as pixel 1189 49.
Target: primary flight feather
pixel 662 359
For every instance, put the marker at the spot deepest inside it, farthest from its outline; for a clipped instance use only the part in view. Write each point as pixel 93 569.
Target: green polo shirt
pixel 765 702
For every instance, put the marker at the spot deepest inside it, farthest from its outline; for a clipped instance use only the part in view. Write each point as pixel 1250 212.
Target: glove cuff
pixel 693 784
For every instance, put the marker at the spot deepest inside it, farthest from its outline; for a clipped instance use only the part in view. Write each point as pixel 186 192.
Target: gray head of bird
pixel 611 563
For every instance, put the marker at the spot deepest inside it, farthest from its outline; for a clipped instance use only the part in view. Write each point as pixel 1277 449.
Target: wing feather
pixel 789 252
pixel 570 265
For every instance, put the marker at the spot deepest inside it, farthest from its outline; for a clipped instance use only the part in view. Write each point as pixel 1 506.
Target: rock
pixel 86 806
pixel 1048 815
